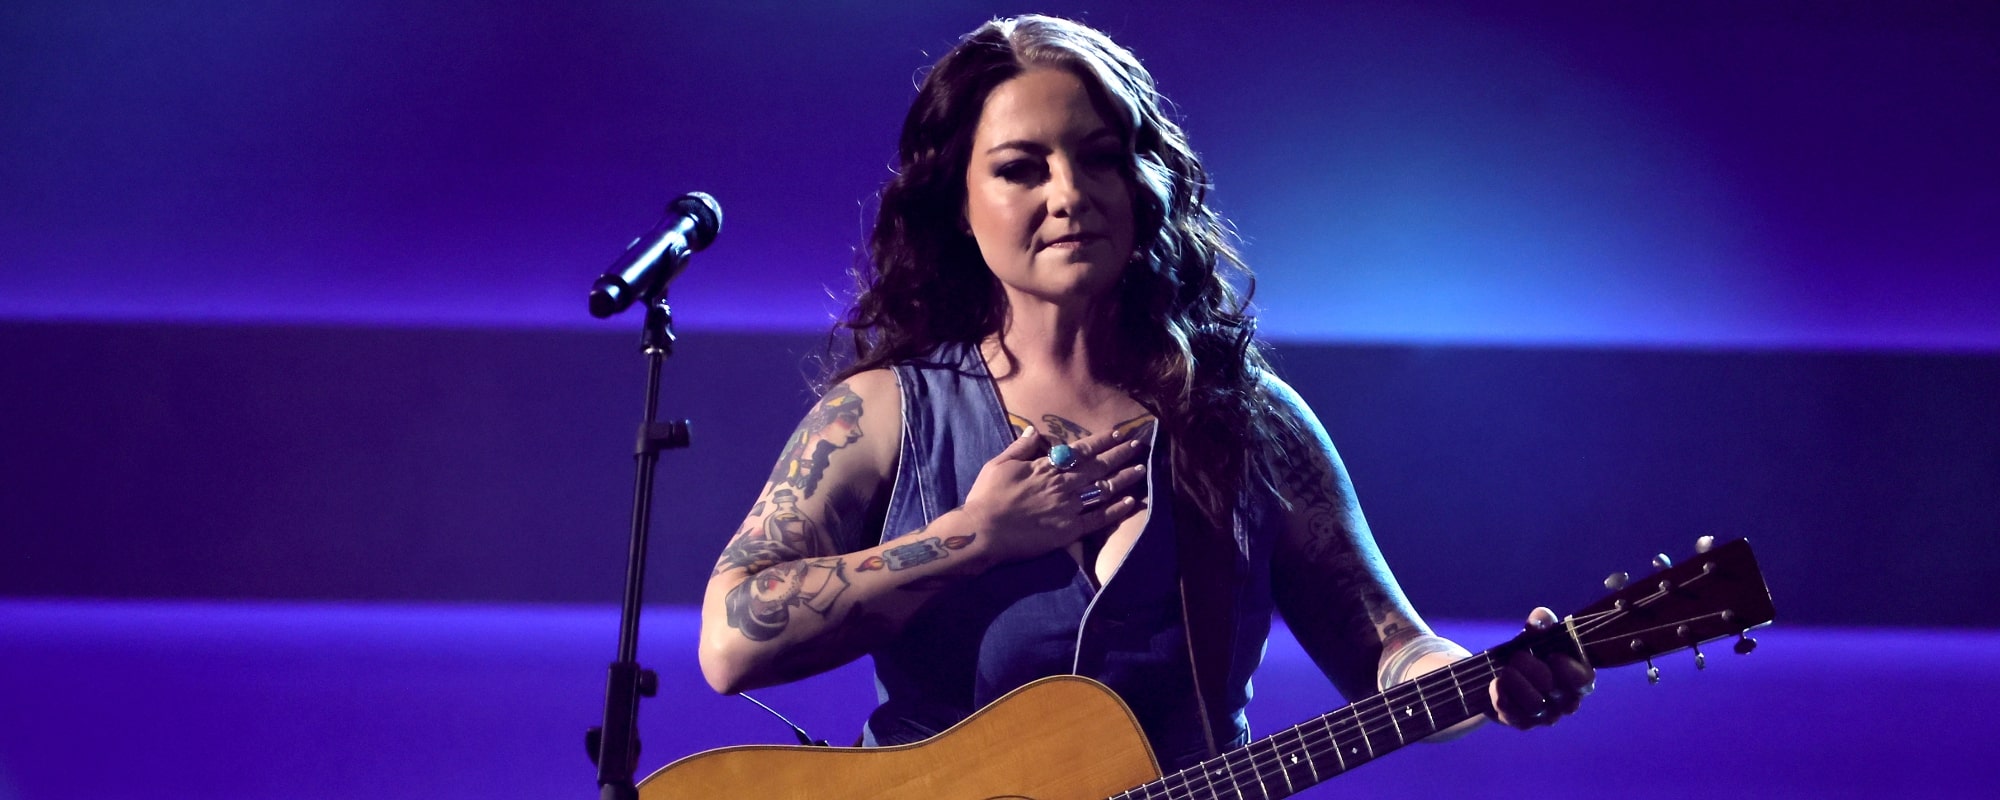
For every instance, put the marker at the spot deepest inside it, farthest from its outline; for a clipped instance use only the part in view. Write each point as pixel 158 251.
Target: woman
pixel 1059 448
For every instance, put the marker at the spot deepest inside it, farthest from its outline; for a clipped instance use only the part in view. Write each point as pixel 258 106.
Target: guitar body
pixel 1057 738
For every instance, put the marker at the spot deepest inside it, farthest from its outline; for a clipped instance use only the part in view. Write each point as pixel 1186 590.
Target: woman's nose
pixel 1065 195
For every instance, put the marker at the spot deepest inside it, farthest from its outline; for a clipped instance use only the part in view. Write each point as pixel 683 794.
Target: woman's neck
pixel 1044 343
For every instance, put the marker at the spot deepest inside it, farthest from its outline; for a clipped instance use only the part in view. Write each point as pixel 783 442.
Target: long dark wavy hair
pixel 1188 349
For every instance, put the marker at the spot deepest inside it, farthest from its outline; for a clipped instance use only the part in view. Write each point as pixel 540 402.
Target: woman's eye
pixel 1019 171
pixel 1108 159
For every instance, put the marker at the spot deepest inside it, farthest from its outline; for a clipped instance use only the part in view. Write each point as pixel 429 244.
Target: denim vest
pixel 1031 619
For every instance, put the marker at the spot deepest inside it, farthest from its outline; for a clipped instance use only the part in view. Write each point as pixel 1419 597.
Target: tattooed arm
pixel 784 601
pixel 1329 580
pixel 1340 600
pixel 787 600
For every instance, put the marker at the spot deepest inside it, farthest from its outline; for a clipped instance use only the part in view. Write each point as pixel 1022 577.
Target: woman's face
pixel 1045 191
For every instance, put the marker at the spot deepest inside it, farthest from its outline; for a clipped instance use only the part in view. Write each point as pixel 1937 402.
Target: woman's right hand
pixel 1033 508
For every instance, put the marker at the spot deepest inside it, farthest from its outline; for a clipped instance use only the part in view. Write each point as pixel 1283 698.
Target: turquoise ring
pixel 1063 457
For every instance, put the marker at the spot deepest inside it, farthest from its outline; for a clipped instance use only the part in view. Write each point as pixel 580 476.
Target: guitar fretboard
pixel 1291 760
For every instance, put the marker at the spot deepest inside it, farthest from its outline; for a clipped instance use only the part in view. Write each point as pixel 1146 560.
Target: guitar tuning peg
pixel 1661 561
pixel 1704 544
pixel 1652 672
pixel 1700 661
pixel 1616 581
pixel 1744 644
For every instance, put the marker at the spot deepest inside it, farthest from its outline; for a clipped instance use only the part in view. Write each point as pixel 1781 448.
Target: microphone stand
pixel 614 746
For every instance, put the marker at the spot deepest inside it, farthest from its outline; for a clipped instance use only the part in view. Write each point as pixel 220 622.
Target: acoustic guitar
pixel 1071 737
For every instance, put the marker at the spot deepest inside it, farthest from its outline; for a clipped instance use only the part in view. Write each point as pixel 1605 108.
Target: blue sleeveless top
pixel 1030 619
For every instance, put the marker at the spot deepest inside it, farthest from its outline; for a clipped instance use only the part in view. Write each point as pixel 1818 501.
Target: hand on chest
pixel 1101 552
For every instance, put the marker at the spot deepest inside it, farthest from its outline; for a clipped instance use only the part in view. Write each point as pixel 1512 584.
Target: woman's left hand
pixel 1531 691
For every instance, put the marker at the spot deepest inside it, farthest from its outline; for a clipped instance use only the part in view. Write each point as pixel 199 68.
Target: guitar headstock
pixel 1718 593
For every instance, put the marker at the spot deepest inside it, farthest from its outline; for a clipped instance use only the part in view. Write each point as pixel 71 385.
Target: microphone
pixel 658 256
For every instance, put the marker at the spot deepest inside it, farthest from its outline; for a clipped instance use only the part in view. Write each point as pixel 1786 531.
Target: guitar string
pixel 1581 624
pixel 1261 763
pixel 1610 615
pixel 1267 752
pixel 1272 754
pixel 1371 719
pixel 1644 631
pixel 1259 757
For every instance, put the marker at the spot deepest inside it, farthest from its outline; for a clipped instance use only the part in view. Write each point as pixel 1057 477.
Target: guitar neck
pixel 1718 593
pixel 1303 755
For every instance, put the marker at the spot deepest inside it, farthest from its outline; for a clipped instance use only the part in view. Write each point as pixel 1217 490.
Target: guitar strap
pixel 1208 561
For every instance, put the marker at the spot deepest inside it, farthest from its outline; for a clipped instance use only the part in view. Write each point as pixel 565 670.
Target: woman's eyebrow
pixel 1037 148
pixel 1023 145
pixel 1103 133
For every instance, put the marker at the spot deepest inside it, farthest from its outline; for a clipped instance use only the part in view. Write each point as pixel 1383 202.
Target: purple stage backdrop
pixel 299 374
pixel 204 702
pixel 1789 173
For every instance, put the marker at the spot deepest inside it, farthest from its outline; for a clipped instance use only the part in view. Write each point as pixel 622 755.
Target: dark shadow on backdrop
pixel 172 461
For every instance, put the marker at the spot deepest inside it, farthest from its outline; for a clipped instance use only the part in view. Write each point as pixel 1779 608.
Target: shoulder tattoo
pixel 832 425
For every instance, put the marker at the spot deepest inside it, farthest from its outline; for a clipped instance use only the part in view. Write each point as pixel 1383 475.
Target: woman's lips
pixel 1073 240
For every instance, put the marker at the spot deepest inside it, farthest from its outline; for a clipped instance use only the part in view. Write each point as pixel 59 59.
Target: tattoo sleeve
pixel 905 556
pixel 1331 582
pixel 859 628
pixel 1346 556
pixel 762 605
pixel 779 530
pixel 784 534
pixel 832 425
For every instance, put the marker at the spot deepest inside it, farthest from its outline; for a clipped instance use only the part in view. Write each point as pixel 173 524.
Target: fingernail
pixel 1139 468
pixel 1027 431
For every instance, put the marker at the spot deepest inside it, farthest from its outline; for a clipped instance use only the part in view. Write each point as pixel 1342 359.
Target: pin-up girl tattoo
pixel 762 606
pixel 833 424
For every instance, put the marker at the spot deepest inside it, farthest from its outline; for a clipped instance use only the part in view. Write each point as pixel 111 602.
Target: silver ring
pixel 1064 458
pixel 1091 498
